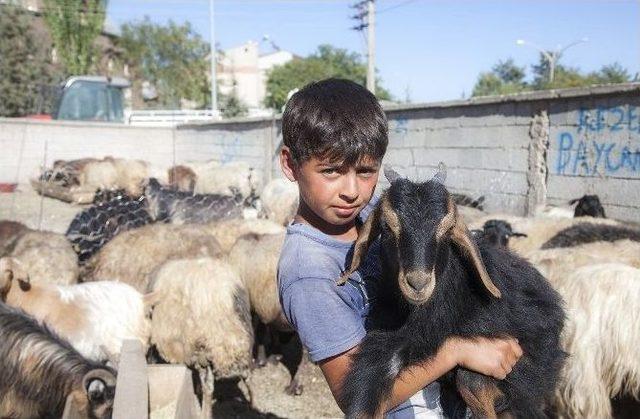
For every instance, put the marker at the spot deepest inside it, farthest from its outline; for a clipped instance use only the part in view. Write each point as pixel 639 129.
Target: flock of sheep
pixel 191 275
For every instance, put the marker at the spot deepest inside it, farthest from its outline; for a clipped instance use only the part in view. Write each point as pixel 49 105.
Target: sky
pixel 426 50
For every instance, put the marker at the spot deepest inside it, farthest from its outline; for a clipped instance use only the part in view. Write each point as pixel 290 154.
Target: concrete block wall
pixel 520 151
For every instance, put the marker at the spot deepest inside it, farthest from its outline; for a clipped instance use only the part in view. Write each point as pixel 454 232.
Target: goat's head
pixel 417 223
pixel 588 205
pixel 12 270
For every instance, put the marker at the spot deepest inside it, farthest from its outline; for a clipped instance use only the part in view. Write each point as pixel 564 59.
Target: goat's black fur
pixel 588 233
pixel 529 310
pixel 588 205
pixel 40 369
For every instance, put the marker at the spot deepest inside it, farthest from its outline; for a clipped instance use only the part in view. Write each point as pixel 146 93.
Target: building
pixel 243 71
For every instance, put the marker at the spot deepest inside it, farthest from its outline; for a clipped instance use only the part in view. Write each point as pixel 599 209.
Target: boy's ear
pixel 287 164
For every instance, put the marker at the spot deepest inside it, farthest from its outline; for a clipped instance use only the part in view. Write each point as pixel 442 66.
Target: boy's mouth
pixel 345 211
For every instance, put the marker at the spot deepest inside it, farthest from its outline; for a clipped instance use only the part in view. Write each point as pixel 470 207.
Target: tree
pixel 231 106
pixel 23 63
pixel 504 78
pixel 172 57
pixel 326 62
pixel 74 27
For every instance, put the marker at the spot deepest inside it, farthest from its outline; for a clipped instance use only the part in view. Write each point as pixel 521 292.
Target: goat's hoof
pixel 294 389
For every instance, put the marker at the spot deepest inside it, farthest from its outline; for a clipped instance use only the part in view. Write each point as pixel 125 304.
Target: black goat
pixel 443 284
pixel 40 370
pixel 588 233
pixel 588 205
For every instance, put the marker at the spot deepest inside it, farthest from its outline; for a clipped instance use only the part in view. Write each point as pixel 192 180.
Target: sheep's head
pixel 498 232
pixel 12 270
pixel 417 223
pixel 588 205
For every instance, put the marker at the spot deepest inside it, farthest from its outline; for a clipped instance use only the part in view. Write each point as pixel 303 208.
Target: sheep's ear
pixel 367 234
pixel 24 284
pixel 461 237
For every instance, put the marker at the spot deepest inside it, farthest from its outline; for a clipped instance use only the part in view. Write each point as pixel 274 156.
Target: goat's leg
pixel 480 393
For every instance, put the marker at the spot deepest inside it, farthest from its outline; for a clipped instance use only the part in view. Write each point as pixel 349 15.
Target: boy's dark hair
pixel 334 119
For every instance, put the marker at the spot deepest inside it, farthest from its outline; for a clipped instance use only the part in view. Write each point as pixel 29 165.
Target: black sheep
pixel 588 205
pixel 443 284
pixel 588 233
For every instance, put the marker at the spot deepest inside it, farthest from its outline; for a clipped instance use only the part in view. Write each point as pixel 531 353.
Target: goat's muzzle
pixel 417 286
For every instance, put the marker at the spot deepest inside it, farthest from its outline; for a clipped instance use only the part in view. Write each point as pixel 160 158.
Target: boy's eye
pixel 366 173
pixel 329 170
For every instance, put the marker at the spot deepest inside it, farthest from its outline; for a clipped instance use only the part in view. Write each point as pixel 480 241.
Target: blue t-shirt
pixel 332 319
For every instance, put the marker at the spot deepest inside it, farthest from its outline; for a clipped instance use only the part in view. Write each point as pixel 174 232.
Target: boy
pixel 335 135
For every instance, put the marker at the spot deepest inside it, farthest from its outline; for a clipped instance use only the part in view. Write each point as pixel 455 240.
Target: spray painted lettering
pixel 580 155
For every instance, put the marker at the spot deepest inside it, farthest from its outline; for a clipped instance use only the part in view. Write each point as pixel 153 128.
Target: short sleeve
pixel 324 316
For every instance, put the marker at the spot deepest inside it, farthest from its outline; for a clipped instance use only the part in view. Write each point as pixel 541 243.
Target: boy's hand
pixel 494 357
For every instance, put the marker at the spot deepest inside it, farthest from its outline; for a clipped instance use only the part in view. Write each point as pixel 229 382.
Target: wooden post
pixel 132 394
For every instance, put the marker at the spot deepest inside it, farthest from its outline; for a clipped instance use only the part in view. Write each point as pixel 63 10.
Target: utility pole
pixel 371 44
pixel 552 57
pixel 214 93
pixel 366 8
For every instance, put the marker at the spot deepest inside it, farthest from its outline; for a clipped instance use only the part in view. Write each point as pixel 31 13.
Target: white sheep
pixel 47 257
pixel 131 256
pixel 280 201
pixel 602 337
pixel 227 232
pixel 215 178
pixel 256 256
pixel 95 317
pixel 118 173
pixel 556 264
pixel 202 319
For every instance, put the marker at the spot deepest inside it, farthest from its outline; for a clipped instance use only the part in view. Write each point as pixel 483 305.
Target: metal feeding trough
pixel 148 391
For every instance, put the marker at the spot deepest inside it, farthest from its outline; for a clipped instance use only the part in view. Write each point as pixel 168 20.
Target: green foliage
pixel 74 27
pixel 506 77
pixel 172 57
pixel 326 62
pixel 23 63
pixel 231 106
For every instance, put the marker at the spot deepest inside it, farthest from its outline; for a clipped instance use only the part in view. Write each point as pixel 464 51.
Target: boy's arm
pixel 494 357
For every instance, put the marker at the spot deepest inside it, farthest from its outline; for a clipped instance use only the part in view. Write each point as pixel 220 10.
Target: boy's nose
pixel 350 190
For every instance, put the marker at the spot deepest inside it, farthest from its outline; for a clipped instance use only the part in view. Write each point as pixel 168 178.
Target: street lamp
pixel 552 56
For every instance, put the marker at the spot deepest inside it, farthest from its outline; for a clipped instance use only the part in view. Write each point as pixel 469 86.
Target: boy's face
pixel 334 192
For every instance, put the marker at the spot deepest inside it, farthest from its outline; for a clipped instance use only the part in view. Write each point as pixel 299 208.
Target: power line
pixel 404 3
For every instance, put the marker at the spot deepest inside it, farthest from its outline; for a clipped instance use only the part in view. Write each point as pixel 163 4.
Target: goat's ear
pixel 460 236
pixel 367 234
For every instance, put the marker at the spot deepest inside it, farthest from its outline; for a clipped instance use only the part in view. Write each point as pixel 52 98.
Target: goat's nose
pixel 417 280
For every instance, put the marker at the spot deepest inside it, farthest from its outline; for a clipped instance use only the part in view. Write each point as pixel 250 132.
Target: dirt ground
pixel 270 400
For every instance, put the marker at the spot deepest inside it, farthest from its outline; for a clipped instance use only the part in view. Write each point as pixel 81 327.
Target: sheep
pixel 538 230
pixel 280 201
pixel 95 226
pixel 588 205
pixel 202 318
pixel 442 283
pixel 227 232
pixel 557 264
pixel 10 231
pixel 225 179
pixel 255 256
pixel 47 257
pixel 589 233
pixel 499 232
pixel 40 371
pixel 131 256
pixel 602 338
pixel 166 204
pixel 94 317
pixel 183 178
